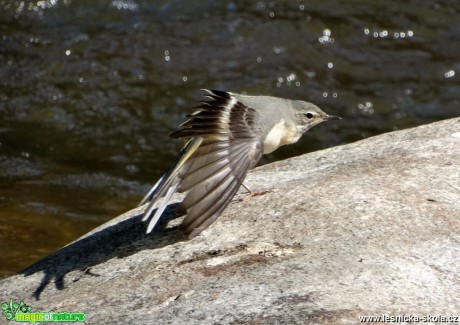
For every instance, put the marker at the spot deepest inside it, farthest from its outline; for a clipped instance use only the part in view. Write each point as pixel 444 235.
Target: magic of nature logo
pixel 20 312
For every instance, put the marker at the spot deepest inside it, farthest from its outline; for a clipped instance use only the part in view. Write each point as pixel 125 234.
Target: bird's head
pixel 307 115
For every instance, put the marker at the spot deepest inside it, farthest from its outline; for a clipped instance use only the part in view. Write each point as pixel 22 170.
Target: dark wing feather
pixel 214 173
pixel 221 148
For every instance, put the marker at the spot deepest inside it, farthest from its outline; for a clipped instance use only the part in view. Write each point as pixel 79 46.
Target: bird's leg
pixel 253 193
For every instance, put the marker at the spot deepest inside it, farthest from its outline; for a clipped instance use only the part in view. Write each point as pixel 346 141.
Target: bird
pixel 225 138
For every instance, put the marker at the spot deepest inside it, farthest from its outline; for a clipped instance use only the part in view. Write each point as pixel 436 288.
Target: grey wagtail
pixel 225 138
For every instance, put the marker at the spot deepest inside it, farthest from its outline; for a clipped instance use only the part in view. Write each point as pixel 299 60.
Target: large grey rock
pixel 368 228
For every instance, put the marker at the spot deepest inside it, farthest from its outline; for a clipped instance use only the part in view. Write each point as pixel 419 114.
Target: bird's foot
pixel 251 194
pixel 255 193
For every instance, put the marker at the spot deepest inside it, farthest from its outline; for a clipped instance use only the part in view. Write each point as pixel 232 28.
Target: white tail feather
pixel 161 208
pixel 167 185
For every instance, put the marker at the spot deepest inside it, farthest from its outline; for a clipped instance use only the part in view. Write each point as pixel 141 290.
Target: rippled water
pixel 90 91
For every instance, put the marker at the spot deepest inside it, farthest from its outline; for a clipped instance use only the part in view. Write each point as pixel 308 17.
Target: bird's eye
pixel 309 115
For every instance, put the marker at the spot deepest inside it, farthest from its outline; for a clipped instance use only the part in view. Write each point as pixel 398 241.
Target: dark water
pixel 90 91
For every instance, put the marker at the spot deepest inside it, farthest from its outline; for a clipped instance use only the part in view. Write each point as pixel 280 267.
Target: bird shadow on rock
pixel 120 240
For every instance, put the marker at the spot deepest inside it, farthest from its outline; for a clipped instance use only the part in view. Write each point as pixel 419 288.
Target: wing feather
pixel 211 183
pixel 167 185
pixel 225 147
pixel 196 217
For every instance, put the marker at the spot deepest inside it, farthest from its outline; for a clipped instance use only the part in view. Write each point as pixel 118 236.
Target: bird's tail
pixel 160 194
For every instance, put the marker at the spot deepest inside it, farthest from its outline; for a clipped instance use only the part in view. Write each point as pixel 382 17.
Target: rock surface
pixel 368 228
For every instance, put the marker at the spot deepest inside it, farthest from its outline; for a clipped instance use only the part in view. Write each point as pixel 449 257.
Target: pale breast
pixel 281 134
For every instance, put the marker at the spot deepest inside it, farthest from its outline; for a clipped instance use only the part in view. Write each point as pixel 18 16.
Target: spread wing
pixel 221 147
pixel 214 172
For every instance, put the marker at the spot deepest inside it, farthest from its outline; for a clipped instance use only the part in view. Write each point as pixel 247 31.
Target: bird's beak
pixel 331 117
